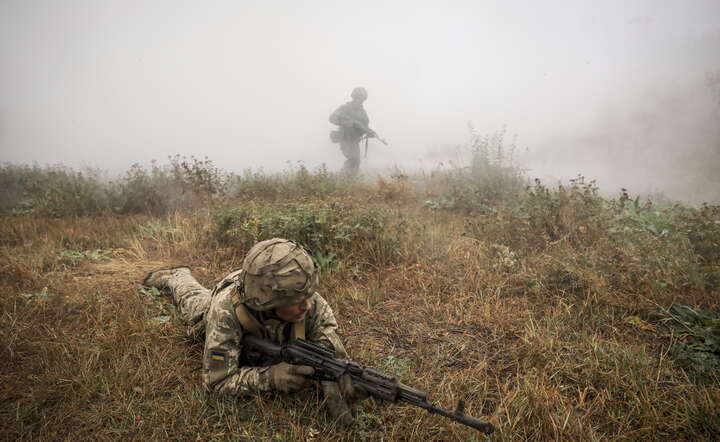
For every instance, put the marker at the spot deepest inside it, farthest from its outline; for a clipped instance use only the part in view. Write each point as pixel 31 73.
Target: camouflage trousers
pixel 192 301
pixel 351 151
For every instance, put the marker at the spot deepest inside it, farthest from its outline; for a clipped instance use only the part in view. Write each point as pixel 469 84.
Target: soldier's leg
pixel 351 150
pixel 191 298
pixel 345 149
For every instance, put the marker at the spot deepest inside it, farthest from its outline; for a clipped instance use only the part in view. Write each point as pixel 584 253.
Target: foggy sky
pixel 616 90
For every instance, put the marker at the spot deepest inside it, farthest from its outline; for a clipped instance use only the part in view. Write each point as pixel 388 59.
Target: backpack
pixel 336 136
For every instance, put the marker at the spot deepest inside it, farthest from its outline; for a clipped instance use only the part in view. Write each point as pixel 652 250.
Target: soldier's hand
pixel 289 378
pixel 336 404
pixel 350 391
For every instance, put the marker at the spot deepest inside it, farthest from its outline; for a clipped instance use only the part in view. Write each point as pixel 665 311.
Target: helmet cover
pixel 359 92
pixel 277 273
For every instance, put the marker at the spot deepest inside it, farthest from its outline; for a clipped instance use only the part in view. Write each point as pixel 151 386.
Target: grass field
pixel 555 313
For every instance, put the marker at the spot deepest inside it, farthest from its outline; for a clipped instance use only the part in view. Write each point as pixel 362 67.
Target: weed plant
pixel 492 176
pixel 296 181
pixel 58 191
pixel 51 191
pixel 182 184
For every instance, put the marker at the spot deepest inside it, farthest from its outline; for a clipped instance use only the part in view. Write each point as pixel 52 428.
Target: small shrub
pixel 186 183
pixel 675 241
pixel 702 228
pixel 292 183
pixel 329 230
pixel 495 175
pixel 543 216
pixel 54 191
pixel 11 182
pixel 200 178
pixel 59 191
pixel 396 188
pixel 144 190
pixel 575 212
pixel 491 177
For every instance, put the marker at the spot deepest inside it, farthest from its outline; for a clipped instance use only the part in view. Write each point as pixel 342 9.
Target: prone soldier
pixel 273 297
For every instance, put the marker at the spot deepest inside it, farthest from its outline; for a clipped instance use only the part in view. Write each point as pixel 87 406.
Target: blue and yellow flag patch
pixel 217 356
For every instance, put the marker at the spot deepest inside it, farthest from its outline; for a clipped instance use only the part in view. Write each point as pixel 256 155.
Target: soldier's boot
pixel 159 278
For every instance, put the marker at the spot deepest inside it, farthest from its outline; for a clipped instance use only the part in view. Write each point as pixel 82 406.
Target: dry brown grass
pixel 83 358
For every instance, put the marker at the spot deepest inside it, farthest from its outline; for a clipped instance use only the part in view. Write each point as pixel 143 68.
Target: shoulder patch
pixel 217 356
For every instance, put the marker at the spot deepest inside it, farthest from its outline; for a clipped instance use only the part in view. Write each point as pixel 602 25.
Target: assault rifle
pixel 378 384
pixel 372 134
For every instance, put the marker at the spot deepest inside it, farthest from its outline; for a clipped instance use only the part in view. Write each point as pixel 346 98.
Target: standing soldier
pixel 272 296
pixel 353 125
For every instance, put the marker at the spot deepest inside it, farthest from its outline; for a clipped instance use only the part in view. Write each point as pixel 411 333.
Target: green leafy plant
pixel 697 344
pixel 399 367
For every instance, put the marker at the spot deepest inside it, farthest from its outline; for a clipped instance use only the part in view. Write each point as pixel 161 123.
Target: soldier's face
pixel 295 312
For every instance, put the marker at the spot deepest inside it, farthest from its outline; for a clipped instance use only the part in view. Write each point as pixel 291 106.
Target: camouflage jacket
pixel 229 370
pixel 352 119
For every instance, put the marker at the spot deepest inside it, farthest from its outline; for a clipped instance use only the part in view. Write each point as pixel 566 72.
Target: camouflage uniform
pixel 354 123
pixel 226 368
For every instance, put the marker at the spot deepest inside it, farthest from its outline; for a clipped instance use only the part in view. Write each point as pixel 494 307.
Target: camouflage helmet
pixel 359 92
pixel 277 273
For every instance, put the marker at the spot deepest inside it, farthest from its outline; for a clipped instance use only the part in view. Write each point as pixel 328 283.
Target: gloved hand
pixel 351 393
pixel 340 395
pixel 338 408
pixel 289 378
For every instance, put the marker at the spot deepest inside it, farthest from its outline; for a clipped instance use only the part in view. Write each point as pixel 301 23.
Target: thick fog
pixel 627 92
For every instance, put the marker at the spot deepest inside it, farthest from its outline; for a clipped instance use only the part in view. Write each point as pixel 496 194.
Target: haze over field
pixel 627 92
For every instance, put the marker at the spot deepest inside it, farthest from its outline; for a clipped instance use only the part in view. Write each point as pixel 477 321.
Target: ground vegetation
pixel 554 312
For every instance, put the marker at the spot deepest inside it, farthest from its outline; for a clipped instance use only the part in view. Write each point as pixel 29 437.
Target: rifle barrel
pixel 485 427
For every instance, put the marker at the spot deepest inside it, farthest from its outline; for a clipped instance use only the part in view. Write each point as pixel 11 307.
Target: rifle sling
pixel 298 331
